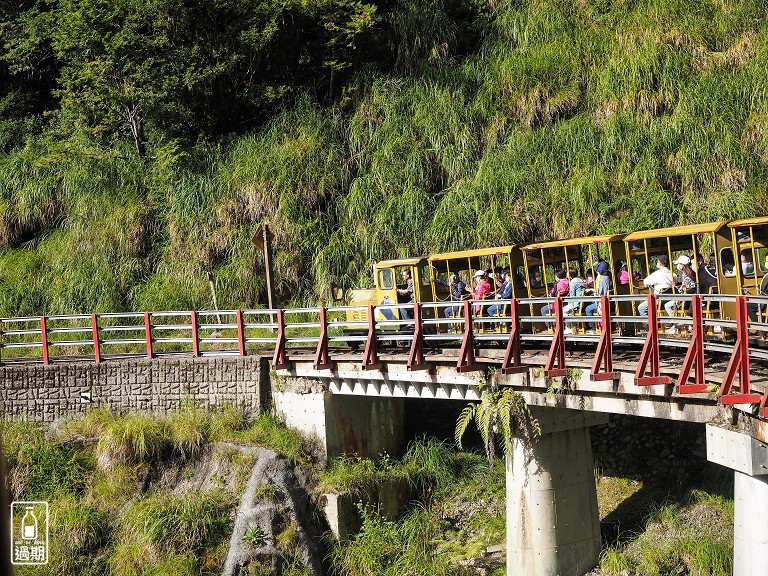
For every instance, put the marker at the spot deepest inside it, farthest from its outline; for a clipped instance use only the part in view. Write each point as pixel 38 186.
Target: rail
pixel 685 324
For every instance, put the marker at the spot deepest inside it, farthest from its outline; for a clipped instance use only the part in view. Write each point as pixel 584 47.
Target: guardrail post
pixel 466 362
pixel 322 358
pixel 370 356
pixel 739 362
pixel 694 358
pixel 96 342
pixel 280 358
pixel 148 334
pixel 557 348
pixel 240 332
pixel 511 363
pixel 416 355
pixel 195 334
pixel 650 351
pixel 44 339
pixel 604 352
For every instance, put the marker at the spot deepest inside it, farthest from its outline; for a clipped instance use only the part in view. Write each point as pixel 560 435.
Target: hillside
pixel 143 146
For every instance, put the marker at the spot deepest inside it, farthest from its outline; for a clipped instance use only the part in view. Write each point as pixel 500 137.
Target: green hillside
pixel 144 142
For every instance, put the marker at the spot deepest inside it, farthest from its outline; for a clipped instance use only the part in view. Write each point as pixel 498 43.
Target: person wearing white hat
pixel 687 286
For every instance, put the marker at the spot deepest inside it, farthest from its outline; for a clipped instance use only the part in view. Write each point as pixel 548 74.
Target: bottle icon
pixel 29 525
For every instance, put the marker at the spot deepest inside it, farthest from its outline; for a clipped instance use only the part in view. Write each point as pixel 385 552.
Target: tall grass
pixel 500 123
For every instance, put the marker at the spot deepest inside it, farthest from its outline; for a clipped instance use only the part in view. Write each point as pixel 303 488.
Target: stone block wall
pixel 47 393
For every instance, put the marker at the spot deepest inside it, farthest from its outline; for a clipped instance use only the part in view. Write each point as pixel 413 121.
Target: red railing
pixel 320 332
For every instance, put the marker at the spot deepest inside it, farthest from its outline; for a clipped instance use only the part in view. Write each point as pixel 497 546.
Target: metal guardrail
pixel 99 337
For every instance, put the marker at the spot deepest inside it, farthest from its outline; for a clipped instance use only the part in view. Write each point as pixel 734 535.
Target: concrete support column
pixel 750 528
pixel 553 526
pixel 362 425
pixel 748 458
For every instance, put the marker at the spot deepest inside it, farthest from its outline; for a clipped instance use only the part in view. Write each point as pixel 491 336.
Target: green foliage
pixel 451 125
pixel 41 469
pixel 427 465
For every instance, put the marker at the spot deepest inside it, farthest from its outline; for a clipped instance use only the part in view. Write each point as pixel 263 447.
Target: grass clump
pixel 40 467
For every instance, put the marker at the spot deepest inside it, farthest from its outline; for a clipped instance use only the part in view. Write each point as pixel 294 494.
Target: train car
pixel 466 263
pixel 749 240
pixel 387 279
pixel 542 259
pixel 710 248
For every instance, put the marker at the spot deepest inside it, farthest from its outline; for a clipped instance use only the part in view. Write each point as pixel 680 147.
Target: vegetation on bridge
pixel 137 157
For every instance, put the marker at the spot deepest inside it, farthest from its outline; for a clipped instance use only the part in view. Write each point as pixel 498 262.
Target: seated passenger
pixel 561 287
pixel 707 275
pixel 687 286
pixel 458 289
pixel 576 288
pixel 503 293
pixel 754 308
pixel 407 292
pixel 660 281
pixel 482 289
pixel 602 287
pixel 623 277
pixel 747 268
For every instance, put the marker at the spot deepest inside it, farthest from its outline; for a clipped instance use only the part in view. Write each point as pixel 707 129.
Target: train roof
pixel 471 253
pixel 758 221
pixel 575 241
pixel 400 262
pixel 675 231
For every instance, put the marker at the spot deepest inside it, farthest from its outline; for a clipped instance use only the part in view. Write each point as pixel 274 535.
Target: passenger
pixel 687 286
pixel 576 289
pixel 753 308
pixel 728 271
pixel 660 281
pixel 482 289
pixel 602 287
pixel 747 268
pixel 457 289
pixel 407 292
pixel 707 275
pixel 561 287
pixel 623 277
pixel 503 293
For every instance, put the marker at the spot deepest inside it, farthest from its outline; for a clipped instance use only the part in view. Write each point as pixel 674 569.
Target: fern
pixel 499 415
pixel 463 421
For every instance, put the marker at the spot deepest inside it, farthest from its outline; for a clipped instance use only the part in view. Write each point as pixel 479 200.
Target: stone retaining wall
pixel 50 392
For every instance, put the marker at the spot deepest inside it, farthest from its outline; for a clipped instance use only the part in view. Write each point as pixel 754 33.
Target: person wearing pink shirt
pixel 561 288
pixel 482 289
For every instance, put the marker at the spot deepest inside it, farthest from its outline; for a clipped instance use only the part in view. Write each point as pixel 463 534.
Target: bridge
pixel 341 374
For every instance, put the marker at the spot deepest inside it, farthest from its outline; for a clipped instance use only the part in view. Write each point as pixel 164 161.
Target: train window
pixel 386 279
pixel 426 275
pixel 726 262
pixel 761 253
pixel 747 265
pixel 520 277
pixel 638 267
pixel 536 276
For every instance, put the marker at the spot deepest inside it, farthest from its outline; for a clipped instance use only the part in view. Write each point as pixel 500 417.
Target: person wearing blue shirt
pixel 504 292
pixel 458 289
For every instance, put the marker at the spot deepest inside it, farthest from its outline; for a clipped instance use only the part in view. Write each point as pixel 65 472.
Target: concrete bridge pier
pixel 553 526
pixel 748 458
pixel 366 426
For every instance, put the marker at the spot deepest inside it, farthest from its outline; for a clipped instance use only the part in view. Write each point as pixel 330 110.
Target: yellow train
pixel 727 257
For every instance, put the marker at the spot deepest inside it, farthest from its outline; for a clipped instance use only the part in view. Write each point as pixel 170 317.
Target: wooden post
pixel 263 239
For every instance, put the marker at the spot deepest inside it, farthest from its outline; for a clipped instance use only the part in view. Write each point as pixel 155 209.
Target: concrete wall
pixel 362 425
pixel 50 392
